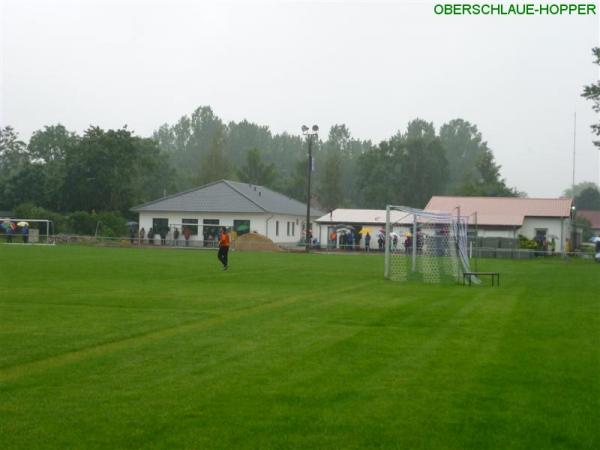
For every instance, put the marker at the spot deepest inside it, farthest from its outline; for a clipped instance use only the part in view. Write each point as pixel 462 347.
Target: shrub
pixel 30 211
pixel 112 224
pixel 82 222
pixel 524 242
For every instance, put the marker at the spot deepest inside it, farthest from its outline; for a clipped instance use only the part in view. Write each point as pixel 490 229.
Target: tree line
pixel 113 170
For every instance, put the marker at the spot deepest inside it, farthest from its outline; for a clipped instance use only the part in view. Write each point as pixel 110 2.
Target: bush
pixel 30 211
pixel 108 224
pixel 524 242
pixel 112 224
pixel 82 222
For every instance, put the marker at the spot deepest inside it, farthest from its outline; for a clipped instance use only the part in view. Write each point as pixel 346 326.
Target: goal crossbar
pixel 430 246
pixel 49 227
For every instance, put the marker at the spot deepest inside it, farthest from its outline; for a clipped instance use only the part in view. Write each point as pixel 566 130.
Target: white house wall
pixel 530 224
pixel 261 223
pixel 496 232
pixel 553 225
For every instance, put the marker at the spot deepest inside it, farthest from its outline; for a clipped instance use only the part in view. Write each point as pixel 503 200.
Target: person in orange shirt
pixel 223 248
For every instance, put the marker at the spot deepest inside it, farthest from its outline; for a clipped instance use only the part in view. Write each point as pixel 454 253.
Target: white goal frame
pixel 48 235
pixel 433 247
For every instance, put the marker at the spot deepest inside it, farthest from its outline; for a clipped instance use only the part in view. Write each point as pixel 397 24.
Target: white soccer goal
pixel 425 246
pixel 26 231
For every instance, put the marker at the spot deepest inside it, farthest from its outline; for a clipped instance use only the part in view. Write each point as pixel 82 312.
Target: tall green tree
pixel 405 170
pixel 188 142
pixel 472 167
pixel 574 191
pixel 255 171
pixel 48 148
pixel 103 170
pixel 592 93
pixel 294 185
pixel 330 172
pixel 488 183
pixel 13 159
pixel 214 164
pixel 464 146
pixel 589 198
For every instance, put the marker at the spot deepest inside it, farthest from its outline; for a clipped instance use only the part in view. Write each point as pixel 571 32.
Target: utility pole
pixel 309 136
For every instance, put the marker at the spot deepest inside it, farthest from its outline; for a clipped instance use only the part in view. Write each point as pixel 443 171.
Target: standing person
pixel 553 246
pixel 223 248
pixel 150 236
pixel 186 234
pixel 25 233
pixel 367 242
pixel 408 244
pixel 142 234
pixel 9 233
pixel 176 235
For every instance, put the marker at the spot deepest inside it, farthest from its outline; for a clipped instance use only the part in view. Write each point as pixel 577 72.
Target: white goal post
pixel 26 231
pixel 425 246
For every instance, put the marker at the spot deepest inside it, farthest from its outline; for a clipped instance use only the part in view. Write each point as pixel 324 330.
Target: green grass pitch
pixel 148 348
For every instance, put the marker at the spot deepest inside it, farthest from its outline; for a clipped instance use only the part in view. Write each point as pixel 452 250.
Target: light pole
pixel 309 133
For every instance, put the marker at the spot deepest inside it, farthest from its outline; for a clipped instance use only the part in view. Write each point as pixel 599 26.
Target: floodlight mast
pixel 309 137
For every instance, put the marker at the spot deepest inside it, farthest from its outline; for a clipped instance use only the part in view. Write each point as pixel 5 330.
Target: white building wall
pixel 530 224
pixel 324 233
pixel 555 226
pixel 261 223
pixel 496 232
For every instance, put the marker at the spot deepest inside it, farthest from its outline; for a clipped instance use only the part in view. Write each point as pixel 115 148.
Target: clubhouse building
pixel 241 207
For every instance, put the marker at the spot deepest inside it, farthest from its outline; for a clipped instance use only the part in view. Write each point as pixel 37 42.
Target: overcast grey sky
pixel 371 65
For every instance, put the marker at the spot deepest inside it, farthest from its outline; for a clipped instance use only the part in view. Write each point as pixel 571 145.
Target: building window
pixel 210 232
pixel 191 224
pixel 277 228
pixel 160 226
pixel 288 228
pixel 293 229
pixel 241 226
pixel 540 234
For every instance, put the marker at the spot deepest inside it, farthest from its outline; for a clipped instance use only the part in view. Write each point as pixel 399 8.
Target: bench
pixel 470 275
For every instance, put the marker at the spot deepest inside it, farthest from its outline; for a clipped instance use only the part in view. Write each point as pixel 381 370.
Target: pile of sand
pixel 255 243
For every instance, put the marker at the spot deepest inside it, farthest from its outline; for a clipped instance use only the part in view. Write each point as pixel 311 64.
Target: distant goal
pixel 26 231
pixel 425 246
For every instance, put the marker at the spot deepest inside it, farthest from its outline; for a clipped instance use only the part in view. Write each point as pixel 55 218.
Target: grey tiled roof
pixel 229 196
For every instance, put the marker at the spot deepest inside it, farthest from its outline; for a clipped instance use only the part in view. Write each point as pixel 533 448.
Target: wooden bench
pixel 470 275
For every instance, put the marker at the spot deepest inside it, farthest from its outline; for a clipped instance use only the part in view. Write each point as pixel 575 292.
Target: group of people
pixel 349 240
pixel 11 229
pixel 544 246
pixel 223 240
pixel 165 234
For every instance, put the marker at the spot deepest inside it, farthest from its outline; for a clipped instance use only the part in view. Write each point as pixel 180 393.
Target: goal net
pixel 425 246
pixel 26 231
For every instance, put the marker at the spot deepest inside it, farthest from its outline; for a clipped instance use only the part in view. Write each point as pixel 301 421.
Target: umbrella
pixel 22 224
pixel 5 225
pixel 364 230
pixel 131 223
pixel 595 239
pixel 408 234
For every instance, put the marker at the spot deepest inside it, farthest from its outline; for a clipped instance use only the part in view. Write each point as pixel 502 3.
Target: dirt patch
pixel 253 242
